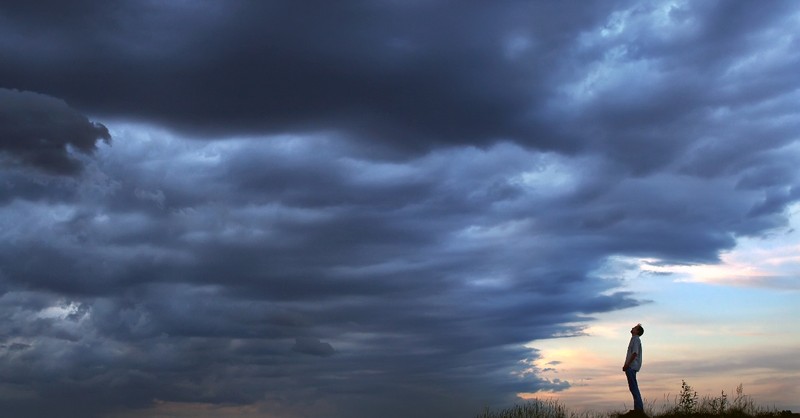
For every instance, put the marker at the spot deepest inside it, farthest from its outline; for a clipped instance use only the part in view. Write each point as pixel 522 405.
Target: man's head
pixel 637 330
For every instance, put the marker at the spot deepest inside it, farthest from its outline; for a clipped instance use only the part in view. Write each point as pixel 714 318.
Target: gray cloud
pixel 411 76
pixel 390 276
pixel 40 131
pixel 313 346
pixel 373 206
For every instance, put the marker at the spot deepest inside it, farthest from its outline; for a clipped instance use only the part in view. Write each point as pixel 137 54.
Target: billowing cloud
pixel 42 131
pixel 356 209
pixel 408 75
pixel 362 280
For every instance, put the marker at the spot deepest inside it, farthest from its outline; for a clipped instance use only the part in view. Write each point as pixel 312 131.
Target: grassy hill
pixel 686 404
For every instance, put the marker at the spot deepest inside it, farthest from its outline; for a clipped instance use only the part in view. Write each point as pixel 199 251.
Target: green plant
pixel 718 405
pixel 744 403
pixel 687 400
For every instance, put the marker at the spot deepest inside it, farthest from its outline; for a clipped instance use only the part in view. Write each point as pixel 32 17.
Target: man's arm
pixel 628 363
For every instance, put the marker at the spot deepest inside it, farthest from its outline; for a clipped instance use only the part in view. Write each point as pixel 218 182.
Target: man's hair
pixel 641 330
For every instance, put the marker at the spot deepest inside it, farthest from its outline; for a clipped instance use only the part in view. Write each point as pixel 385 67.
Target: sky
pixel 394 208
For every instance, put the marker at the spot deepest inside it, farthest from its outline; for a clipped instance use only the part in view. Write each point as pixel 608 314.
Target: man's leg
pixel 633 385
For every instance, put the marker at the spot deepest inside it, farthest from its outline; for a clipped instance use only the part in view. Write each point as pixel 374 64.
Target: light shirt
pixel 635 346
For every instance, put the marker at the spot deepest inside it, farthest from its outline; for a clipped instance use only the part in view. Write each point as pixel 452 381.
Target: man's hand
pixel 625 368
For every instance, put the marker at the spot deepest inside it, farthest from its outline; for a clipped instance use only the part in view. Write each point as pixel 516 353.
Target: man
pixel 633 363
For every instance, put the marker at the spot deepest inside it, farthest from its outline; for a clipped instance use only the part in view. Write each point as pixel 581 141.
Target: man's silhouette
pixel 633 363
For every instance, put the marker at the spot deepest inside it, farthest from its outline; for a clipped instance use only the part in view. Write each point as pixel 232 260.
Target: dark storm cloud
pixel 409 74
pixel 365 294
pixel 246 242
pixel 40 131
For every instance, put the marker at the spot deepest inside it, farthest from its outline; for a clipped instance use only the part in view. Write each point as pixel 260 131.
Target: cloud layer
pixel 363 208
pixel 41 131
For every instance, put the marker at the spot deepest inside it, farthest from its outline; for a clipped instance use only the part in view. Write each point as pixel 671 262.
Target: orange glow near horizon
pixel 713 325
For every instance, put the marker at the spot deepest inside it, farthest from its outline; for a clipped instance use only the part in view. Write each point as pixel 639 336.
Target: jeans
pixel 634 387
